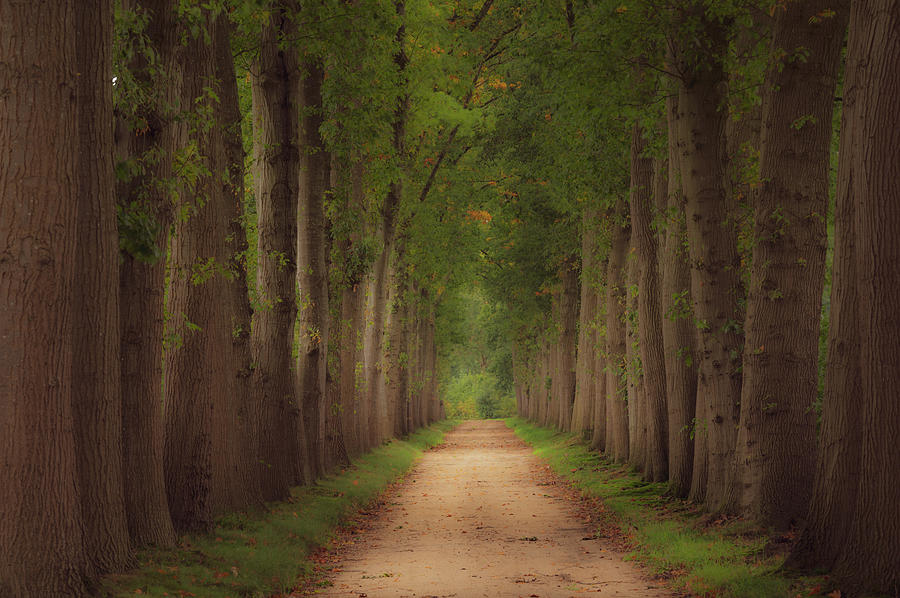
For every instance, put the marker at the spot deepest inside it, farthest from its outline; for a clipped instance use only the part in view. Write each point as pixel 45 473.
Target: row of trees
pixel 250 257
pixel 682 171
pixel 220 262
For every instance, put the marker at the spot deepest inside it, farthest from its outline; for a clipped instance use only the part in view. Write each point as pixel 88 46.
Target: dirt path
pixel 478 517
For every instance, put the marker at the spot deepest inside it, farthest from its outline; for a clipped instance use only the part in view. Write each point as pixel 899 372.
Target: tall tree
pixel 601 363
pixel 715 278
pixel 582 420
pixel 853 521
pixel 96 398
pixel 635 401
pixel 242 413
pixel 354 253
pixel 146 144
pixel 678 326
pixel 381 276
pixel 199 425
pixel 564 378
pixel 312 272
pixel 41 535
pixel 776 441
pixel 275 78
pixel 871 555
pixel 653 364
pixel 400 352
pixel 616 390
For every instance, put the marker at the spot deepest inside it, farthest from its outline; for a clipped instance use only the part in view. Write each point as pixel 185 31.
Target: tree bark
pixel 854 523
pixel 354 406
pixel 653 363
pixel 839 446
pixel 715 276
pixel 196 363
pixel 565 376
pixel 275 79
pixel 142 281
pixel 312 273
pixel 636 402
pixel 601 364
pixel 244 415
pixel 96 394
pixel 555 391
pixel 678 326
pixel 543 388
pixel 585 359
pixel 382 277
pixel 776 440
pixel 399 351
pixel 616 375
pixel 336 454
pixel 430 370
pixel 870 557
pixel 41 540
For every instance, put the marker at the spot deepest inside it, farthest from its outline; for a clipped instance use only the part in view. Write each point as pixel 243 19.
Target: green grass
pixel 266 552
pixel 670 536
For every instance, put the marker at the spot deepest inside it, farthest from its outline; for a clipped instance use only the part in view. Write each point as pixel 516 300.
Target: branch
pixel 481 14
pixel 492 52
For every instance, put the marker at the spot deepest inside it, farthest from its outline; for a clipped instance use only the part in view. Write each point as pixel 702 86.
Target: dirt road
pixel 479 517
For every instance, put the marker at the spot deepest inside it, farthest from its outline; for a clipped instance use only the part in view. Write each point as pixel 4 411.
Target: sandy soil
pixel 481 516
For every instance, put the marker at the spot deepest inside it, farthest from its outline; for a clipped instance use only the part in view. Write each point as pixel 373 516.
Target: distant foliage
pixel 477 395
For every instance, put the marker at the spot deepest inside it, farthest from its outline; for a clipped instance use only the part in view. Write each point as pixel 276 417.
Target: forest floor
pixel 480 515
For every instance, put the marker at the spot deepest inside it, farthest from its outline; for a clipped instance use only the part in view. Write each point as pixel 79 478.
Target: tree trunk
pixel 41 541
pixel 382 276
pixel 142 281
pixel 854 523
pixel 398 352
pixel 518 383
pixel 636 402
pixel 275 80
pixel 715 276
pixel 196 363
pixel 598 439
pixel 371 350
pixel 776 441
pixel 312 273
pixel 141 314
pixel 870 557
pixel 566 346
pixel 430 372
pixel 678 326
pixel 354 406
pixel 336 454
pixel 419 390
pixel 616 376
pixel 378 361
pixel 244 415
pixel 582 421
pixel 97 401
pixel 649 324
pixel 543 384
pixel 555 391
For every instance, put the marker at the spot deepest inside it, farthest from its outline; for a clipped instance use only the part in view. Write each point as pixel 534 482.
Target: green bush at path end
pixel 263 553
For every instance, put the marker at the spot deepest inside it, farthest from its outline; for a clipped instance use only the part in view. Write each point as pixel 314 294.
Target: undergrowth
pixel 722 558
pixel 261 553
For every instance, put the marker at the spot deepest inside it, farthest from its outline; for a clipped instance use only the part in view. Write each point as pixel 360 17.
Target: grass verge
pixel 262 553
pixel 723 557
